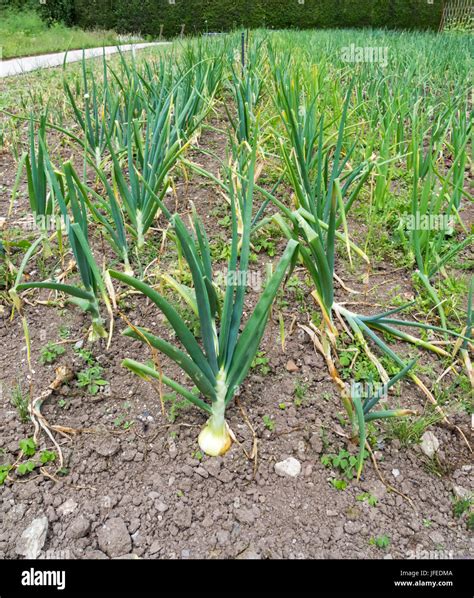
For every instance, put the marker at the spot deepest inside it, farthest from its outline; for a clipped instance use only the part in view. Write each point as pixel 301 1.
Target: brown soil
pixel 161 500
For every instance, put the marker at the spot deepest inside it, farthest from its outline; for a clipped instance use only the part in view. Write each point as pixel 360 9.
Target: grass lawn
pixel 25 34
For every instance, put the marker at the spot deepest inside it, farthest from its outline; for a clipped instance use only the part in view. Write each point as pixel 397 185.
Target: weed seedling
pixel 47 457
pixel 64 332
pixel 300 393
pixel 367 497
pixel 20 401
pixel 25 468
pixel 4 471
pixel 50 352
pixel 198 455
pixel 260 363
pixel 462 505
pixel 27 446
pixel 91 378
pixel 85 355
pixel 344 462
pixel 268 422
pixel 470 521
pixel 339 484
pixel 177 406
pixel 122 422
pixel 380 541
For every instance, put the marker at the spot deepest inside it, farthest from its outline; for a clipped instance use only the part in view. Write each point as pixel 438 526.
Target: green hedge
pixel 147 16
pixel 58 10
pixel 18 4
pixel 52 11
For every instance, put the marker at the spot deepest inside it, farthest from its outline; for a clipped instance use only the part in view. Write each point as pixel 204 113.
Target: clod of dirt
pixel 161 507
pixel 79 528
pixel 113 538
pixel 353 527
pixel 183 517
pixel 155 548
pixel 129 455
pixel 108 447
pixel 290 467
pixel 202 472
pixel 429 444
pixel 33 538
pixel 292 367
pixel 244 515
pixel 172 449
pixel 213 467
pixel 316 443
pixel 14 515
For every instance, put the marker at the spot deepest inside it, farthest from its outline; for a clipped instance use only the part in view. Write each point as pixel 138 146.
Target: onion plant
pixel 308 155
pixel 40 196
pixel 150 156
pixel 72 203
pixel 467 342
pixel 97 112
pixel 318 258
pixel 108 213
pixel 430 224
pixel 246 86
pixel 219 367
pixel 153 148
pixel 317 180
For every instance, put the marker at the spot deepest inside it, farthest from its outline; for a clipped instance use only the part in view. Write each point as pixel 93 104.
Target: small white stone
pixel 290 467
pixel 395 473
pixel 33 538
pixel 67 507
pixel 429 444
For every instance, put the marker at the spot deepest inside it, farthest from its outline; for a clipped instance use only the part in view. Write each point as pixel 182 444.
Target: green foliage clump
pixel 151 16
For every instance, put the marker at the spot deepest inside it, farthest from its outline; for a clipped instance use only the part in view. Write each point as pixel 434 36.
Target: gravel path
pixel 18 66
